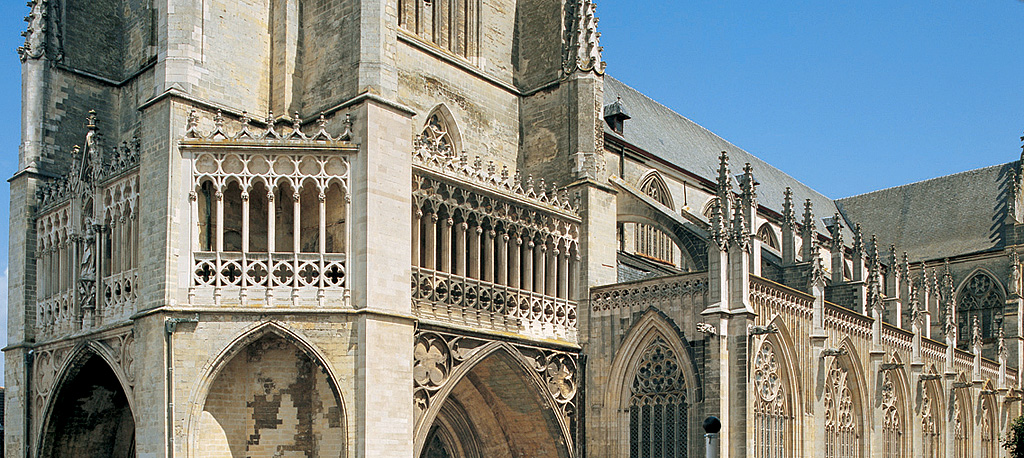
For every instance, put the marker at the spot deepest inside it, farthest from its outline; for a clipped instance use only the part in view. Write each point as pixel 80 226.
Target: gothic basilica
pixel 438 228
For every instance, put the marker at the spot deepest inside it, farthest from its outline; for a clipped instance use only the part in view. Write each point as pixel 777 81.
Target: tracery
pixel 930 427
pixel 842 431
pixel 650 241
pixel 772 417
pixel 657 406
pixel 980 297
pixel 892 422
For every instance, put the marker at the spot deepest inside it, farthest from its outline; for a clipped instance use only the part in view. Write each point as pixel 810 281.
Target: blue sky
pixel 847 97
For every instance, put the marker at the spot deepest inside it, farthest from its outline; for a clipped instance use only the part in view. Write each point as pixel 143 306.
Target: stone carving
pixel 767 382
pixel 35 34
pixel 841 432
pixel 269 133
pixel 437 355
pixel 583 52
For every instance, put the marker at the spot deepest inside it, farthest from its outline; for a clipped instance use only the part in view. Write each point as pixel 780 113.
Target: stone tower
pixel 211 225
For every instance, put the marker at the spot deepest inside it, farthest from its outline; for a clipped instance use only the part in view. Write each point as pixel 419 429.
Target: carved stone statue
pixel 1015 274
pixel 88 264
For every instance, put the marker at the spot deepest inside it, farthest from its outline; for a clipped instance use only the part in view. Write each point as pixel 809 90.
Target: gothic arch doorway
pixel 90 415
pixel 496 409
pixel 271 397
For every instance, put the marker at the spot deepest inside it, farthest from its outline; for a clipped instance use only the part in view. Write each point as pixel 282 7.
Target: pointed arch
pixel 257 340
pixel 988 426
pixel 89 374
pixel 506 360
pixel 653 328
pixel 767 235
pixel 654 185
pixel 893 390
pixel 980 295
pixel 931 418
pixel 777 394
pixel 844 407
pixel 960 418
pixel 441 130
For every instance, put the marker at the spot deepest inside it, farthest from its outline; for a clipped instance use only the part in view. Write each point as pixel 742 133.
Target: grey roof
pixel 670 136
pixel 941 217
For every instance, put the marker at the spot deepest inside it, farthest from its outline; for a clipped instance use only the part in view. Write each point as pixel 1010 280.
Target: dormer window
pixel 615 115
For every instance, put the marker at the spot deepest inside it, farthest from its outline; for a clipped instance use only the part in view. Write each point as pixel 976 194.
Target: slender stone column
pixel 430 241
pixel 501 259
pixel 528 265
pixel 417 222
pixel 245 222
pixel 540 263
pixel 474 251
pixel 446 244
pixel 515 272
pixel 488 254
pixel 460 248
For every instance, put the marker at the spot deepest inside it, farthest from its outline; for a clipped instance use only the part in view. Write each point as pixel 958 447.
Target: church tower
pixel 217 203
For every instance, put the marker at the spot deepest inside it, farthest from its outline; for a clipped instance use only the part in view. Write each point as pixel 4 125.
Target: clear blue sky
pixel 847 97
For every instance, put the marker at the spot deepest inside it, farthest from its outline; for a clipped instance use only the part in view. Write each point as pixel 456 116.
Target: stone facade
pixel 380 228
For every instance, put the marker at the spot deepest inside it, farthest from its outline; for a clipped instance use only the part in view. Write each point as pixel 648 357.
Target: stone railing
pixel 648 292
pixel 120 292
pixel 480 304
pixel 57 315
pixel 269 279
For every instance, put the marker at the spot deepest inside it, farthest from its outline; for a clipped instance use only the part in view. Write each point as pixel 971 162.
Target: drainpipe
pixel 711 428
pixel 171 325
pixel 29 359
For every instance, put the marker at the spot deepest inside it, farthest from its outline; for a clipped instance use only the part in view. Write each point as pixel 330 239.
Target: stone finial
pixel 916 312
pixel 749 185
pixel 976 338
pixel 347 123
pixel 1002 349
pixel 724 183
pixel 788 213
pixel 35 35
pixel 808 222
pixel 192 125
pixel 585 49
pixel 858 241
pixel 218 119
pixel 837 233
pixel 91 121
pixel 949 323
pixel 718 232
pixel 905 266
pixel 1015 274
pixel 740 234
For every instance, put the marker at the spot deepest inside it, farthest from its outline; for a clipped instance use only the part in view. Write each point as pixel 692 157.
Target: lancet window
pixel 980 297
pixel 842 428
pixel 772 411
pixel 87 238
pixel 650 241
pixel 930 426
pixel 490 249
pixel 892 420
pixel 658 406
pixel 451 25
pixel 269 216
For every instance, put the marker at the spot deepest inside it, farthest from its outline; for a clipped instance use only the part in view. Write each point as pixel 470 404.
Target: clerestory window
pixel 449 24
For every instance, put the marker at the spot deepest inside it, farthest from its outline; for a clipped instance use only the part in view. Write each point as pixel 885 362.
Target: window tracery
pixel 650 241
pixel 980 297
pixel 657 406
pixel 451 25
pixel 771 407
pixel 842 430
pixel 892 423
pixel 767 236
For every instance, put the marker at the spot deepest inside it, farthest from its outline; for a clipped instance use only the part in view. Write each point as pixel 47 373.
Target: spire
pixel 724 183
pixel 788 214
pixel 807 232
pixel 748 186
pixel 837 233
pixel 584 52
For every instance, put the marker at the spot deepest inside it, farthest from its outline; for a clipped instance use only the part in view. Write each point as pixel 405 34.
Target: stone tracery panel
pixel 658 408
pixel 772 410
pixel 438 355
pixel 892 420
pixel 842 428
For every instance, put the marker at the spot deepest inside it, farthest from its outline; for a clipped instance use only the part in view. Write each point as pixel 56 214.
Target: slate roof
pixel 955 214
pixel 676 139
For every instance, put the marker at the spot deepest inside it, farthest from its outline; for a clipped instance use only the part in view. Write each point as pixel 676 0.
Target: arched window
pixel 449 24
pixel 842 430
pixel 892 419
pixel 767 236
pixel 772 413
pixel 709 207
pixel 980 297
pixel 650 241
pixel 657 407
